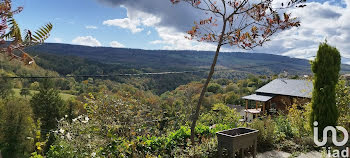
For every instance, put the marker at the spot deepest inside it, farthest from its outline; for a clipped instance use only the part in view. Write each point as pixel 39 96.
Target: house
pixel 277 96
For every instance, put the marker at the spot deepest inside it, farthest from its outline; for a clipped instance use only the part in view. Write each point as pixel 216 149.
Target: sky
pixel 157 24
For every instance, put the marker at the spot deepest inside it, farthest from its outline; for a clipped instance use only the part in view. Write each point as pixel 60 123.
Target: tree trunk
pixel 201 97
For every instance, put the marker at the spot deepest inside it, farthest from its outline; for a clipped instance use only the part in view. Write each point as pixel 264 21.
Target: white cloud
pixel 58 40
pixel 125 23
pixel 134 21
pixel 87 41
pixel 149 32
pixel 171 39
pixel 91 27
pixel 116 44
pixel 319 21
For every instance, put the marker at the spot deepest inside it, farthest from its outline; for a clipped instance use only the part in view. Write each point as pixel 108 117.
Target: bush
pixel 266 134
pixel 214 88
pixel 220 114
pixel 208 148
pixel 299 119
pixel 343 104
pixel 231 98
pixel 283 128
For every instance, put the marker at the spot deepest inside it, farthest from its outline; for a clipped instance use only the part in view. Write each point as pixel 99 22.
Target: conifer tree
pixel 326 69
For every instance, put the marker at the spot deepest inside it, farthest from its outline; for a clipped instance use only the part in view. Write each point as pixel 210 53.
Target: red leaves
pixel 248 24
pixel 192 32
pixel 236 4
pixel 174 1
pixel 206 21
pixel 286 17
pixel 196 2
pixel 209 38
pixel 269 21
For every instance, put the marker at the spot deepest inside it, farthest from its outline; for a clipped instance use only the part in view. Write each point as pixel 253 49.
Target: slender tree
pixel 326 69
pixel 47 105
pixel 241 23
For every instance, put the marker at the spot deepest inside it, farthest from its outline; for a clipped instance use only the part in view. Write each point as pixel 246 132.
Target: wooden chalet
pixel 277 96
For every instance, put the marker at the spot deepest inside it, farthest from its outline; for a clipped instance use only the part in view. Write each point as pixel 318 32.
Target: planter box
pixel 237 139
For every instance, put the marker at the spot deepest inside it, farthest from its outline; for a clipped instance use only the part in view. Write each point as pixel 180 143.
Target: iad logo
pixel 333 153
pixel 334 135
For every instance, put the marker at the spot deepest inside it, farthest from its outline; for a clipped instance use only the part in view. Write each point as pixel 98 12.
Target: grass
pixel 63 95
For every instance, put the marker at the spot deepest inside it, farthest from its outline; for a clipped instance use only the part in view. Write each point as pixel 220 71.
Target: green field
pixel 63 95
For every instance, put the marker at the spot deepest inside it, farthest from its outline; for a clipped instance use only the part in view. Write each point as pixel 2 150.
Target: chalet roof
pixel 289 87
pixel 257 97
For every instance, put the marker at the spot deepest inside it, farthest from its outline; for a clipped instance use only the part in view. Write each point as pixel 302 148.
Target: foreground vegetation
pixel 119 120
pixel 45 115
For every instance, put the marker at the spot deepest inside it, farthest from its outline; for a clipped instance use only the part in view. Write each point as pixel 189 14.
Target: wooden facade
pixel 268 101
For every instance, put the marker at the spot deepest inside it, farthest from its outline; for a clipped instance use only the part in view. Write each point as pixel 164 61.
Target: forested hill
pixel 166 60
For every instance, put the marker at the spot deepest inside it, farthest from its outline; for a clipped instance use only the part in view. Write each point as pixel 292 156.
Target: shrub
pixel 231 98
pixel 214 88
pixel 283 128
pixel 206 149
pixel 220 114
pixel 299 119
pixel 343 104
pixel 266 134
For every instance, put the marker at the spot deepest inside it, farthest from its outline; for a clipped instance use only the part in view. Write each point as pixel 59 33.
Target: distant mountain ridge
pixel 172 60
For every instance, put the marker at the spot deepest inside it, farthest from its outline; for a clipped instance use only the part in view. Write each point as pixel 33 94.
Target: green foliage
pixel 47 105
pixel 30 39
pixel 289 133
pixel 343 104
pixel 266 135
pixel 16 128
pixel 297 118
pixel 220 114
pixel 15 32
pixel 283 128
pixel 231 98
pixel 326 69
pixel 214 88
pixel 208 148
pixel 24 92
pixel 40 35
pixel 109 124
pixel 122 126
pixel 5 87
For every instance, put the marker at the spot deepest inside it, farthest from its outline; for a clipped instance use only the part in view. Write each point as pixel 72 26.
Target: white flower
pixel 61 130
pixel 65 115
pixel 86 119
pixel 69 137
pixel 75 119
pixel 93 154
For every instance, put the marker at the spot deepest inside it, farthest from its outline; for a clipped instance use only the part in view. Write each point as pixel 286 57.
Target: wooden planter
pixel 237 139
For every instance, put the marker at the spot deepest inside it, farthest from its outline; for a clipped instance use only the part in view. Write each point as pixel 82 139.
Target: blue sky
pixel 71 17
pixel 156 24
